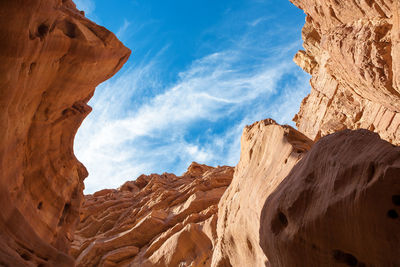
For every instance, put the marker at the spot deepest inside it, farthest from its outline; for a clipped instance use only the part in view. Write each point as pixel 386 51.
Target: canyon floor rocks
pixel 156 220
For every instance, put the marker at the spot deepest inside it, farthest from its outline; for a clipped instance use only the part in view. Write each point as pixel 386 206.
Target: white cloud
pixel 123 30
pixel 140 125
pixel 258 21
pixel 123 139
pixel 86 5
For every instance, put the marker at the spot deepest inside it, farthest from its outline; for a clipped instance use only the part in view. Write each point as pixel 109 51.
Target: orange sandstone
pixel 51 60
pixel 156 220
pixel 339 206
pixel 352 51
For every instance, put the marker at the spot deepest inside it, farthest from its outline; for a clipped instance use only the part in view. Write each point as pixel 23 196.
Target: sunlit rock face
pixel 156 220
pixel 339 206
pixel 51 59
pixel 295 203
pixel 352 51
pixel 268 153
pixel 338 203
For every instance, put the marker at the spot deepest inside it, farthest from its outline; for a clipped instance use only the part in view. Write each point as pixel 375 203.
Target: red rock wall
pixel 295 204
pixel 339 206
pixel 268 153
pixel 352 51
pixel 51 60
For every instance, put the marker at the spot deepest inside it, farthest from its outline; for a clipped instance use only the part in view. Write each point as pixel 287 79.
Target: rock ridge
pixel 156 220
pixel 52 58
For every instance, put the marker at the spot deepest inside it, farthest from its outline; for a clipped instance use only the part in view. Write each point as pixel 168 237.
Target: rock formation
pixel 352 51
pixel 268 153
pixel 52 58
pixel 290 202
pixel 339 206
pixel 156 220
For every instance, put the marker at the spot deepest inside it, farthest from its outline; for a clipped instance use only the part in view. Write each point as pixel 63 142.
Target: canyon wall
pixel 268 153
pixel 51 60
pixel 339 206
pixel 289 202
pixel 338 203
pixel 156 220
pixel 352 51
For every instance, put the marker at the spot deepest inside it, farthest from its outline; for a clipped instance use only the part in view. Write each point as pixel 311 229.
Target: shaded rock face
pixel 352 51
pixel 268 153
pixel 51 59
pixel 156 220
pixel 339 206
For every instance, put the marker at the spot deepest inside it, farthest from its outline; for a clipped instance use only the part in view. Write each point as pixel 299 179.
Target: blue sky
pixel 199 72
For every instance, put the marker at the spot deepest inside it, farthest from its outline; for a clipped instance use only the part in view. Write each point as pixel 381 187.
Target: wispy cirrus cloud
pixel 123 138
pixel 123 30
pixel 86 5
pixel 258 21
pixel 142 123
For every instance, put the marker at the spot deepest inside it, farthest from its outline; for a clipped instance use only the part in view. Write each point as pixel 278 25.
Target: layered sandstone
pixel 51 60
pixel 352 51
pixel 339 206
pixel 156 220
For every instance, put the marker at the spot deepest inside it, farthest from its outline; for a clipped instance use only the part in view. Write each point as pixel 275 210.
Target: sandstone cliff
pixel 268 153
pixel 352 51
pixel 339 206
pixel 51 60
pixel 156 220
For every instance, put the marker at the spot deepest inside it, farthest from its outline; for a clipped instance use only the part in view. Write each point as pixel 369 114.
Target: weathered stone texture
pixel 156 220
pixel 51 60
pixel 352 51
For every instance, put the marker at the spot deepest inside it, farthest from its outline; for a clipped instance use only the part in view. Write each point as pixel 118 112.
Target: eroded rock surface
pixel 156 220
pixel 51 60
pixel 268 153
pixel 352 51
pixel 339 206
pixel 336 205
